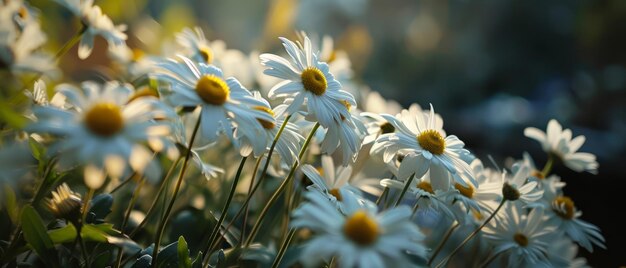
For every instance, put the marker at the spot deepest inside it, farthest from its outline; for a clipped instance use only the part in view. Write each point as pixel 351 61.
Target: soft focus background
pixel 491 68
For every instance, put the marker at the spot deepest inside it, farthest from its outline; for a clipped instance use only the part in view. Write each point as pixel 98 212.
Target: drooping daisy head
pixel 307 81
pixel 96 23
pixel 358 237
pixel 419 137
pixel 559 142
pixel 563 214
pixel 220 99
pixel 99 128
pixel 521 186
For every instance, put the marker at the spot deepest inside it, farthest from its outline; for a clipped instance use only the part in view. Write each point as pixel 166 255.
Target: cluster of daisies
pixel 366 183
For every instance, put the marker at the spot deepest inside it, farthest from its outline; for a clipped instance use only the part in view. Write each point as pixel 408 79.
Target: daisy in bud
pixel 420 138
pixel 96 23
pixel 220 99
pixel 65 204
pixel 520 238
pixel 98 127
pixel 566 218
pixel 358 237
pixel 256 135
pixel 307 81
pixel 558 142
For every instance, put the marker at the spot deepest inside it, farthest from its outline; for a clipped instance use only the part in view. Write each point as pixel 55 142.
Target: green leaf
pixel 101 233
pixel 10 204
pixel 183 254
pixel 37 149
pixel 35 234
pixel 168 256
pixel 12 118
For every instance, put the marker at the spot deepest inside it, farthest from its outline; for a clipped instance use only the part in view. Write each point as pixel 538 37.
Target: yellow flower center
pixel 537 174
pixel 509 192
pixel 22 12
pixel 143 92
pixel 335 192
pixel 426 186
pixel 212 89
pixel 387 128
pixel 564 207
pixel 361 229
pixel 520 239
pixel 266 124
pixel 206 53
pixel 104 119
pixel 465 191
pixel 138 54
pixel 430 140
pixel 314 81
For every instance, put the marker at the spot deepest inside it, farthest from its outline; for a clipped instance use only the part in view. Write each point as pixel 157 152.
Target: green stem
pixel 156 199
pixel 250 188
pixel 382 195
pixel 131 204
pixel 70 43
pixel 81 244
pixel 404 190
pixel 283 248
pixel 124 182
pixel 281 188
pixel 218 225
pixel 443 242
pixel 548 167
pixel 474 233
pixel 181 175
pixel 244 207
pixel 490 259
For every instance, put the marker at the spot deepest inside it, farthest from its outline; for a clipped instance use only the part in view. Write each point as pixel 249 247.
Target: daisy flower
pixel 65 204
pixel 220 99
pixel 96 23
pixel 524 238
pixel 18 46
pixel 231 61
pixel 558 142
pixel 330 179
pixel 420 138
pixel 347 135
pixel 307 80
pixel 257 135
pixel 359 237
pixel 563 253
pixel 483 196
pixel 519 187
pixel 427 198
pixel 565 217
pixel 104 131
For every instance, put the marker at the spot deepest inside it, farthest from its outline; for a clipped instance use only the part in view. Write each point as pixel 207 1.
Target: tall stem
pixel 218 225
pixel 443 242
pixel 474 233
pixel 70 43
pixel 156 199
pixel 548 167
pixel 181 175
pixel 283 248
pixel 250 188
pixel 244 207
pixel 404 190
pixel 281 188
pixel 131 204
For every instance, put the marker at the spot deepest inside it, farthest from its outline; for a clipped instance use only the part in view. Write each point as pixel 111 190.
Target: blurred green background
pixel 491 68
